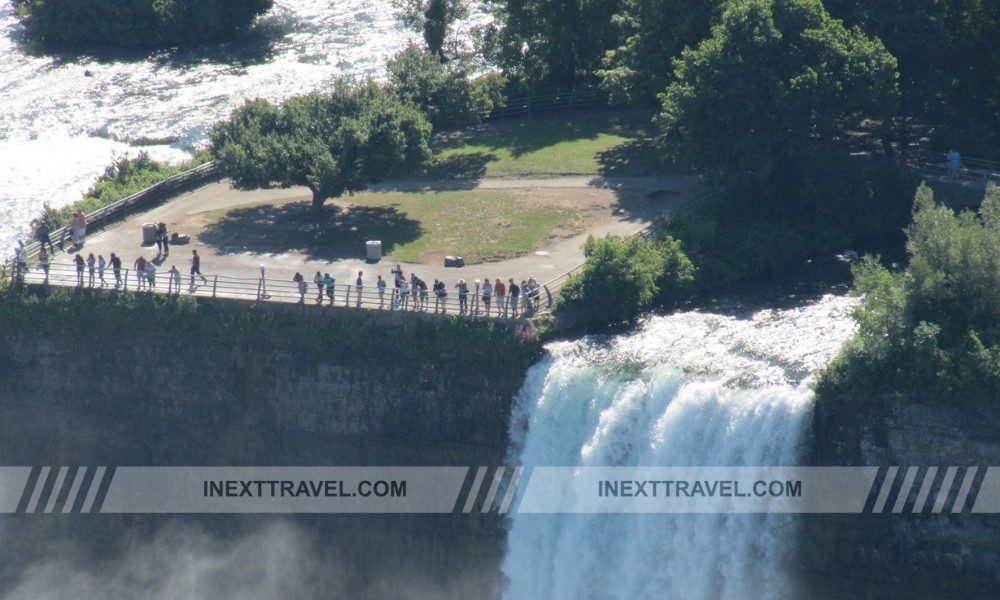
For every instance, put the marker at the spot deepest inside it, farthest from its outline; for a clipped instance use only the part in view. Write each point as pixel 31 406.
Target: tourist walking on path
pixel 196 267
pixel 954 162
pixel 116 268
pixel 78 228
pixel 300 282
pixel 21 260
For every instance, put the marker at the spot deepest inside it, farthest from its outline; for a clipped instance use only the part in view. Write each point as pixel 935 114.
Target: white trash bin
pixel 374 250
pixel 148 233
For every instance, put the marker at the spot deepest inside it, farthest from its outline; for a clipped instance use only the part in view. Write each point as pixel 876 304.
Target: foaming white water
pixel 62 116
pixel 692 389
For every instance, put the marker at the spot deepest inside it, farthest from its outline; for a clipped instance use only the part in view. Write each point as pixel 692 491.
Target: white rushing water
pixel 691 389
pixel 64 117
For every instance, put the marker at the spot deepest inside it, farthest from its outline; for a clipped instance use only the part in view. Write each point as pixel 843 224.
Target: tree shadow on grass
pixel 337 233
pixel 633 158
pixel 460 166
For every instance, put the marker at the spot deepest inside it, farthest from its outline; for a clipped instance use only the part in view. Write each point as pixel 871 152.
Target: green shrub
pixel 934 328
pixel 621 278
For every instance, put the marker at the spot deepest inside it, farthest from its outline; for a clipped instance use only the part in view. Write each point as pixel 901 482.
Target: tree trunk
pixel 317 201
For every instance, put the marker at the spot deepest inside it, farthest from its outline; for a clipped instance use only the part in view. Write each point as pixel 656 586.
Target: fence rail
pixel 520 106
pixel 271 289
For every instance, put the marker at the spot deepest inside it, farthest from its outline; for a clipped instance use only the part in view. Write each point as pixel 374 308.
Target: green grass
pixel 617 143
pixel 479 226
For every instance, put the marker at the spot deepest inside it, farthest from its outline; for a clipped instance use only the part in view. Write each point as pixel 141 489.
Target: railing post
pixel 215 284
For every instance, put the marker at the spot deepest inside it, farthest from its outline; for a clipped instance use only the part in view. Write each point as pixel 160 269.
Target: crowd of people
pixel 484 297
pixel 413 293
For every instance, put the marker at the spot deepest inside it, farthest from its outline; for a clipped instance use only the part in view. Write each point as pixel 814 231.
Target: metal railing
pixel 975 172
pixel 271 289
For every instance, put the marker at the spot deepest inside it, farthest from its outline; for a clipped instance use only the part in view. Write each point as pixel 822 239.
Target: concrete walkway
pixel 654 194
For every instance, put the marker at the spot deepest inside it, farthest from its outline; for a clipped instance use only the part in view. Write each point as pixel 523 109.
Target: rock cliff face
pixel 910 554
pixel 113 399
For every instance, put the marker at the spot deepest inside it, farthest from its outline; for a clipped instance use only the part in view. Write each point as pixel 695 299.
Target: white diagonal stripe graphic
pixel 477 483
pixel 74 489
pixel 511 490
pixel 60 478
pixel 13 481
pixel 925 489
pixel 963 492
pixel 95 484
pixel 37 492
pixel 904 492
pixel 942 497
pixel 883 494
pixel 497 477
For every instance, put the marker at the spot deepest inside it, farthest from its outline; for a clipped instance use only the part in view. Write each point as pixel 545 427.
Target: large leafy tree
pixel 653 32
pixel 433 18
pixel 949 62
pixel 444 91
pixel 548 44
pixel 777 82
pixel 334 143
pixel 139 23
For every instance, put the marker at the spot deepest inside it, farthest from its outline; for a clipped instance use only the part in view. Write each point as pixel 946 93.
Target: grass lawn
pixel 480 225
pixel 590 144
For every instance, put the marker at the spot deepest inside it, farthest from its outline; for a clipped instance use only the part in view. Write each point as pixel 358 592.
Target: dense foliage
pixel 777 81
pixel 333 143
pixel 621 278
pixel 433 18
pixel 935 327
pixel 138 23
pixel 445 91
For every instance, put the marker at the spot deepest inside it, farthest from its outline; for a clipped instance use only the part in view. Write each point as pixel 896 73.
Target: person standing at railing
pixel 101 265
pixel 318 280
pixel 196 268
pixel 463 296
pixel 440 295
pixel 116 268
pixel 487 294
pixel 329 282
pixel 151 275
pixel 954 162
pixel 42 232
pixel 422 287
pixel 500 293
pixel 174 280
pixel 20 261
pixel 139 268
pixel 404 294
pixel 91 268
pixel 514 291
pixel 380 284
pixel 78 228
pixel 359 286
pixel 79 262
pixel 300 282
pixel 43 263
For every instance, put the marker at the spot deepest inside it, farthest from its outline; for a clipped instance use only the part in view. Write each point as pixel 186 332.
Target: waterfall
pixel 723 388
